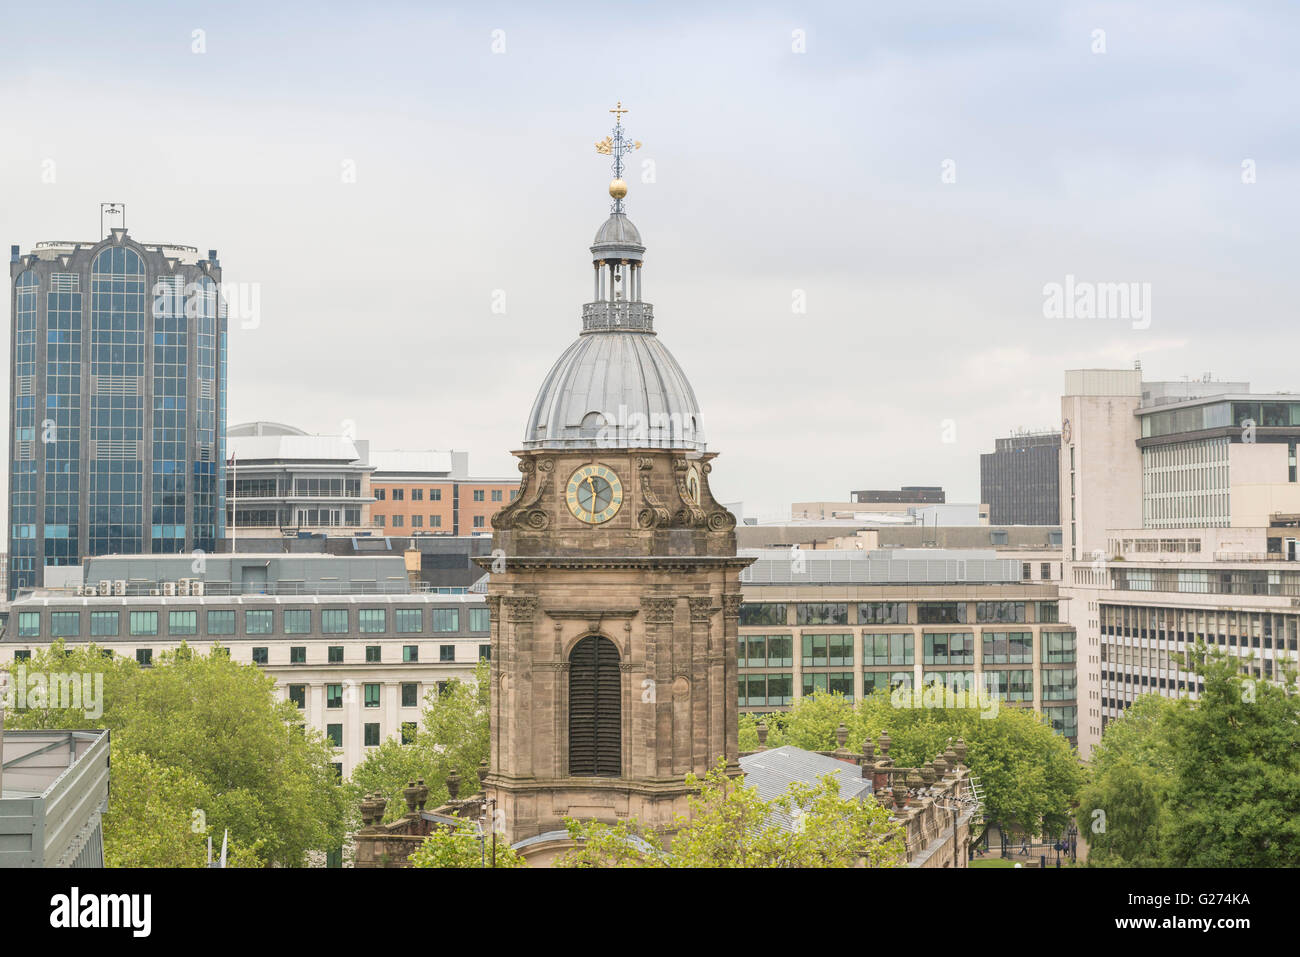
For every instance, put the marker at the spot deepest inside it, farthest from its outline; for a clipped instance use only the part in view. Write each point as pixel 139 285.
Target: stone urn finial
pixel 841 736
pixel 928 775
pixel 900 792
pixel 960 749
pixel 914 780
pixel 950 758
pixel 372 809
pixel 453 784
pixel 868 751
pixel 421 793
pixel 884 744
pixel 411 794
pixel 482 773
pixel 762 734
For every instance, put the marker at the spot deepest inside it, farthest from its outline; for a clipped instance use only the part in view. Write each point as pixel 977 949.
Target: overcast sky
pixel 778 176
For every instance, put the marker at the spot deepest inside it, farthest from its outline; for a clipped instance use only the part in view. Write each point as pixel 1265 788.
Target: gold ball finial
pixel 618 189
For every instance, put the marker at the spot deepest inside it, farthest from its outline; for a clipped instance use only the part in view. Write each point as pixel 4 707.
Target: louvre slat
pixel 595 719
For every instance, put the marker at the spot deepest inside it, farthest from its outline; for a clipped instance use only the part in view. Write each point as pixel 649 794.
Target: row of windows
pixel 257 621
pixel 830 651
pixel 435 494
pixel 776 690
pixel 298 654
pixel 761 614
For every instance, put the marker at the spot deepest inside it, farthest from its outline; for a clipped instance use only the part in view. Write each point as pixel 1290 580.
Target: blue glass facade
pixel 118 404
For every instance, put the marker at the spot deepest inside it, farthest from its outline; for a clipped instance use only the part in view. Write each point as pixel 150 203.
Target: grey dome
pixel 615 390
pixel 617 230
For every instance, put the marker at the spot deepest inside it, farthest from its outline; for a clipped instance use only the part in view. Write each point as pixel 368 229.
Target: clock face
pixel 594 494
pixel 693 485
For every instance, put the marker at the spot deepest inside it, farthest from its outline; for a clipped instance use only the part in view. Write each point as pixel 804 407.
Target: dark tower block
pixel 614 621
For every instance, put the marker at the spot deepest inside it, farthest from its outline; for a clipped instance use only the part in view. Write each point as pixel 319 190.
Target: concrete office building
pixel 1020 479
pixel 348 640
pixel 1180 504
pixel 283 481
pixel 117 402
pixel 856 622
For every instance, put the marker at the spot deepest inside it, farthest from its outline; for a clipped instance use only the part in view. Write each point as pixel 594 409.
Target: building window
pixel 881 650
pixel 298 695
pixel 65 624
pixel 479 521
pixel 334 696
pixel 1058 647
pixel 446 652
pixel 144 622
pixel 1045 571
pixel 372 621
pixel 144 657
pixel 514 493
pixel 372 735
pixel 336 654
pixel 479 620
pixel 435 521
pixel 182 623
pixel 372 696
pixel 1011 685
pixel 23 655
pixel 1048 612
pixel 417 495
pixel 1000 611
pixel 827 651
pixel 29 624
pixel 941 613
pixel 258 622
pixel 379 494
pixel 334 621
pixel 761 615
pixel 1059 684
pixel 823 613
pixel 399 521
pixel 595 717
pixel 297 621
pixel 1065 721
pixel 335 733
pixel 410 653
pixel 417 521
pixel 298 655
pixel 956 649
pixel 485 652
pixel 829 682
pixel 221 622
pixel 435 495
pixel 478 495
pixel 766 690
pixel 104 624
pixel 410 694
pixel 1008 647
pixel 378 520
pixel 259 656
pixel 409 621
pixel 496 495
pixel 446 619
pixel 372 653
pixel 882 613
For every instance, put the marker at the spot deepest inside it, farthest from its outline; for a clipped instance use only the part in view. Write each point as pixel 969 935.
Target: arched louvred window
pixel 595 708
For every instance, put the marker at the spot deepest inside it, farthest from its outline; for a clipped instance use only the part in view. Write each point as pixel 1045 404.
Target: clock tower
pixel 615 591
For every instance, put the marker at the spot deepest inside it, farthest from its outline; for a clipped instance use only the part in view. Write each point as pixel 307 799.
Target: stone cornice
pixel 647 562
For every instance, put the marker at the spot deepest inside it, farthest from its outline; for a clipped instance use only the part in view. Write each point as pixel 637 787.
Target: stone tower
pixel 615 593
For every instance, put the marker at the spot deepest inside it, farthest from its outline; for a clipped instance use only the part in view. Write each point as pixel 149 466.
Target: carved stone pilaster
pixel 494 607
pixel 521 609
pixel 731 606
pixel 658 610
pixel 701 608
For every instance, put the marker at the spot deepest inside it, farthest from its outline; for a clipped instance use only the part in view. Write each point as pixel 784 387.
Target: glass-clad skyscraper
pixel 117 403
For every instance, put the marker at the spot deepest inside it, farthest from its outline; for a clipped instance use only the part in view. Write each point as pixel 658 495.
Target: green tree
pixel 462 848
pixel 220 727
pixel 453 734
pixel 1030 776
pixel 1235 755
pixel 729 825
pixel 1123 810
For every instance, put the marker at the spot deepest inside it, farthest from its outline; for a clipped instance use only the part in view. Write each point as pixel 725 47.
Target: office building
pixel 856 622
pixel 351 641
pixel 432 493
pixel 117 403
pixel 1020 479
pixel 282 481
pixel 1181 507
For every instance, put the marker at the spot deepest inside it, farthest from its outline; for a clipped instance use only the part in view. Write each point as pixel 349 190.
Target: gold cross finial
pixel 618 112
